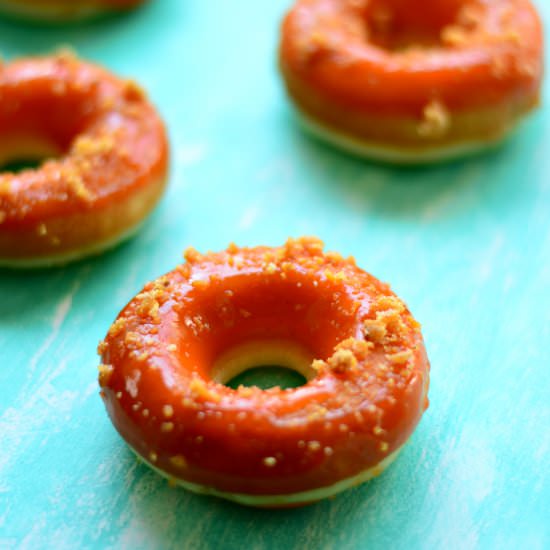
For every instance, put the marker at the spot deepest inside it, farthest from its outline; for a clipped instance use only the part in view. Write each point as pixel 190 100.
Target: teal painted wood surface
pixel 466 244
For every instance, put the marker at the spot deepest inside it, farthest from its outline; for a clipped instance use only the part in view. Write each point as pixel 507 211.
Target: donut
pixel 167 358
pixel 61 11
pixel 389 81
pixel 106 163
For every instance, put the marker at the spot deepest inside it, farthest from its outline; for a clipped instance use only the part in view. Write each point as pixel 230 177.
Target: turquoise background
pixel 466 244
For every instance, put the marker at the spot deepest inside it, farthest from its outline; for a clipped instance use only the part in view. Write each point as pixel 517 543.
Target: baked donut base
pixel 396 155
pixel 54 12
pixel 279 501
pixel 68 257
pixel 129 214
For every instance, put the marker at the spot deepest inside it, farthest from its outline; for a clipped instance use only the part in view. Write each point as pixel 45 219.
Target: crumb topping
pixel 246 391
pixel 5 185
pixel 166 427
pixel 270 461
pixel 117 327
pixel 66 54
pixel 178 461
pixel 454 35
pixel 388 325
pixel 90 146
pixel 191 255
pixel 200 390
pixel 77 185
pixel 102 347
pixel 105 374
pixel 378 431
pixel 436 120
pixel 342 360
pixel 197 324
pixel 314 446
pixel 401 357
pixel 148 306
pixel 168 411
pixel 375 330
pixel 133 91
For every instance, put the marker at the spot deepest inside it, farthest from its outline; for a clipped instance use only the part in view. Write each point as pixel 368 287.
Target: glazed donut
pixel 109 168
pixel 395 81
pixel 60 11
pixel 167 358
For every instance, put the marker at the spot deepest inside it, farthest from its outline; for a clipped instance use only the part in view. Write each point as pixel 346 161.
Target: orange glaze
pixel 367 393
pixel 389 75
pixel 111 167
pixel 64 10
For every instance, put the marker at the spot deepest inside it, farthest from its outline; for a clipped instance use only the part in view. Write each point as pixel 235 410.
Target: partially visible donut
pixel 111 165
pixel 409 81
pixel 61 11
pixel 169 354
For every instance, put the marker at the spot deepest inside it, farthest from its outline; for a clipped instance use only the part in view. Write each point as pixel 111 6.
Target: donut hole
pixel 397 25
pixel 40 121
pixel 266 377
pixel 20 165
pixel 264 364
pixel 24 155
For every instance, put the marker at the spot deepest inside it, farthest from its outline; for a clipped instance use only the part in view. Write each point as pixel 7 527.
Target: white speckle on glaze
pixel 132 383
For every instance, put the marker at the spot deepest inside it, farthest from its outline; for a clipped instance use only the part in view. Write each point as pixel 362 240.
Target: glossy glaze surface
pixel 112 157
pixel 388 74
pixel 366 395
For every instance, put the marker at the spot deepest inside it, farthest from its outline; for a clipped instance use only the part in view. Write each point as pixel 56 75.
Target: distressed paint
pixel 466 244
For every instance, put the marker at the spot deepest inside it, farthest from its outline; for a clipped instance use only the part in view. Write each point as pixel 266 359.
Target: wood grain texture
pixel 467 245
